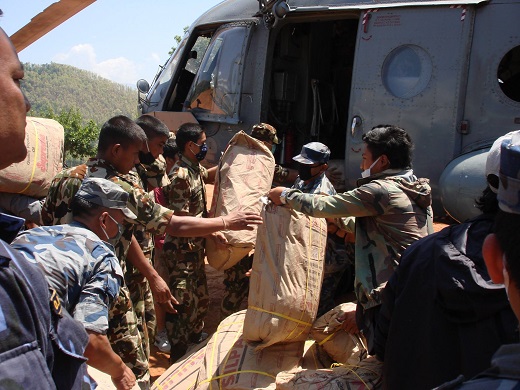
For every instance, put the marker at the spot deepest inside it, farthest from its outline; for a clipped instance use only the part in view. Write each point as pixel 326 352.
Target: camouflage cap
pixel 105 193
pixel 509 187
pixel 264 132
pixel 313 153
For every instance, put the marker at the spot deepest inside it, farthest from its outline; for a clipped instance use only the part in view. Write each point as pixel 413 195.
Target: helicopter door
pixel 409 71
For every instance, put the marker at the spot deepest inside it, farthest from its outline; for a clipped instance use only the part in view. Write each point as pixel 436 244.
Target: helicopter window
pixel 162 80
pixel 407 71
pixel 215 93
pixel 509 74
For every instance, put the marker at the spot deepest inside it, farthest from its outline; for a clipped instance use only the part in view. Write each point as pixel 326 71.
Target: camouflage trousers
pixel 142 300
pixel 339 256
pixel 188 284
pixel 123 334
pixel 236 284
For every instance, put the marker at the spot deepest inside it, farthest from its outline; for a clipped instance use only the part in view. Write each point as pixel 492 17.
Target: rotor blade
pixel 45 21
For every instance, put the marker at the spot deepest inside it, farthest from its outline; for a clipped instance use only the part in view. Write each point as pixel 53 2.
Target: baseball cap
pixel 313 153
pixel 105 193
pixel 509 188
pixel 493 161
pixel 264 132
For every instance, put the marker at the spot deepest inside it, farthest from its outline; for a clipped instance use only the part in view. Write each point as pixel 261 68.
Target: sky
pixel 121 40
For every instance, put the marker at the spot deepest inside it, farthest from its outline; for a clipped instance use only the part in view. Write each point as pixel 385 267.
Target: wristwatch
pixel 283 196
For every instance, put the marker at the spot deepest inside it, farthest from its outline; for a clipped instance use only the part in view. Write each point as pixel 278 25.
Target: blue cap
pixel 313 153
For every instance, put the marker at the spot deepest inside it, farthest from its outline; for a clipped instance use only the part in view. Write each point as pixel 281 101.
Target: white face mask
pixel 366 172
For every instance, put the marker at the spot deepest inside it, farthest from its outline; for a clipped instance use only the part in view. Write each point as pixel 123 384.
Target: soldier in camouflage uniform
pixel 501 252
pixel 236 278
pixel 339 253
pixel 392 209
pixel 93 273
pixel 152 172
pixel 184 257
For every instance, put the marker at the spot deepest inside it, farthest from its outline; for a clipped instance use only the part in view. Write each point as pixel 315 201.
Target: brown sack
pixel 182 375
pixel 245 174
pixel 364 376
pixel 44 141
pixel 286 279
pixel 230 363
pixel 341 346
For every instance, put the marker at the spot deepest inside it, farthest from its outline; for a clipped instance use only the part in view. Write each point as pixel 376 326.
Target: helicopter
pixel 447 71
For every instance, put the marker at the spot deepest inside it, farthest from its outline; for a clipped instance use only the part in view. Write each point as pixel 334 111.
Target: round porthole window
pixel 407 71
pixel 509 74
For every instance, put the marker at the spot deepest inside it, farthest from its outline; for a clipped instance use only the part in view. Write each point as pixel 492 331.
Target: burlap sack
pixel 44 141
pixel 364 376
pixel 286 278
pixel 230 363
pixel 341 346
pixel 182 375
pixel 245 174
pixel 314 357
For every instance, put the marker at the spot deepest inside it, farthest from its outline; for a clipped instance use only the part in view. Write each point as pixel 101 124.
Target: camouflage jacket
pixel 392 210
pixel 186 195
pixel 504 373
pixel 64 186
pixel 79 266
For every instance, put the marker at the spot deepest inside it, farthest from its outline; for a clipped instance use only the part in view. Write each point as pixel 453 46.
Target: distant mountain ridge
pixel 62 87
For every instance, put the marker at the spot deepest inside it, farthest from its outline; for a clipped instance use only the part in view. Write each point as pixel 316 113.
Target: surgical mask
pixel 146 158
pixel 304 171
pixel 203 151
pixel 113 240
pixel 366 172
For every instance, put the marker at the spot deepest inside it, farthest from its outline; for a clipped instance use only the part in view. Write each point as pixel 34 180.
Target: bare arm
pixel 101 356
pixel 181 226
pixel 212 173
pixel 159 288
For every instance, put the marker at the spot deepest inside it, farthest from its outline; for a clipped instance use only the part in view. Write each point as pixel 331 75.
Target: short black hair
pixel 152 126
pixel 120 130
pixel 488 202
pixel 507 231
pixel 188 132
pixel 170 149
pixel 391 141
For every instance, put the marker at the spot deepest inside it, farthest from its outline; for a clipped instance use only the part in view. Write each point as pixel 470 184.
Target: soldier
pixel 93 274
pixel 120 141
pixel 339 252
pixel 33 338
pixel 151 170
pixel 392 210
pixel 184 257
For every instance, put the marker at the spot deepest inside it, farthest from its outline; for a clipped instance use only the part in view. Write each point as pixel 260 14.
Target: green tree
pixel 177 39
pixel 80 135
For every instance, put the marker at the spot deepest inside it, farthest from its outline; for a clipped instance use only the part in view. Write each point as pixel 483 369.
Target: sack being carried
pixel 245 173
pixel 44 140
pixel 286 279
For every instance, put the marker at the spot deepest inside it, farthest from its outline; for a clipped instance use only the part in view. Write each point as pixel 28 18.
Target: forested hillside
pixel 63 87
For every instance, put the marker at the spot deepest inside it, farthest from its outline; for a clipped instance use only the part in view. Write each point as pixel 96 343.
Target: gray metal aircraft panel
pixel 441 61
